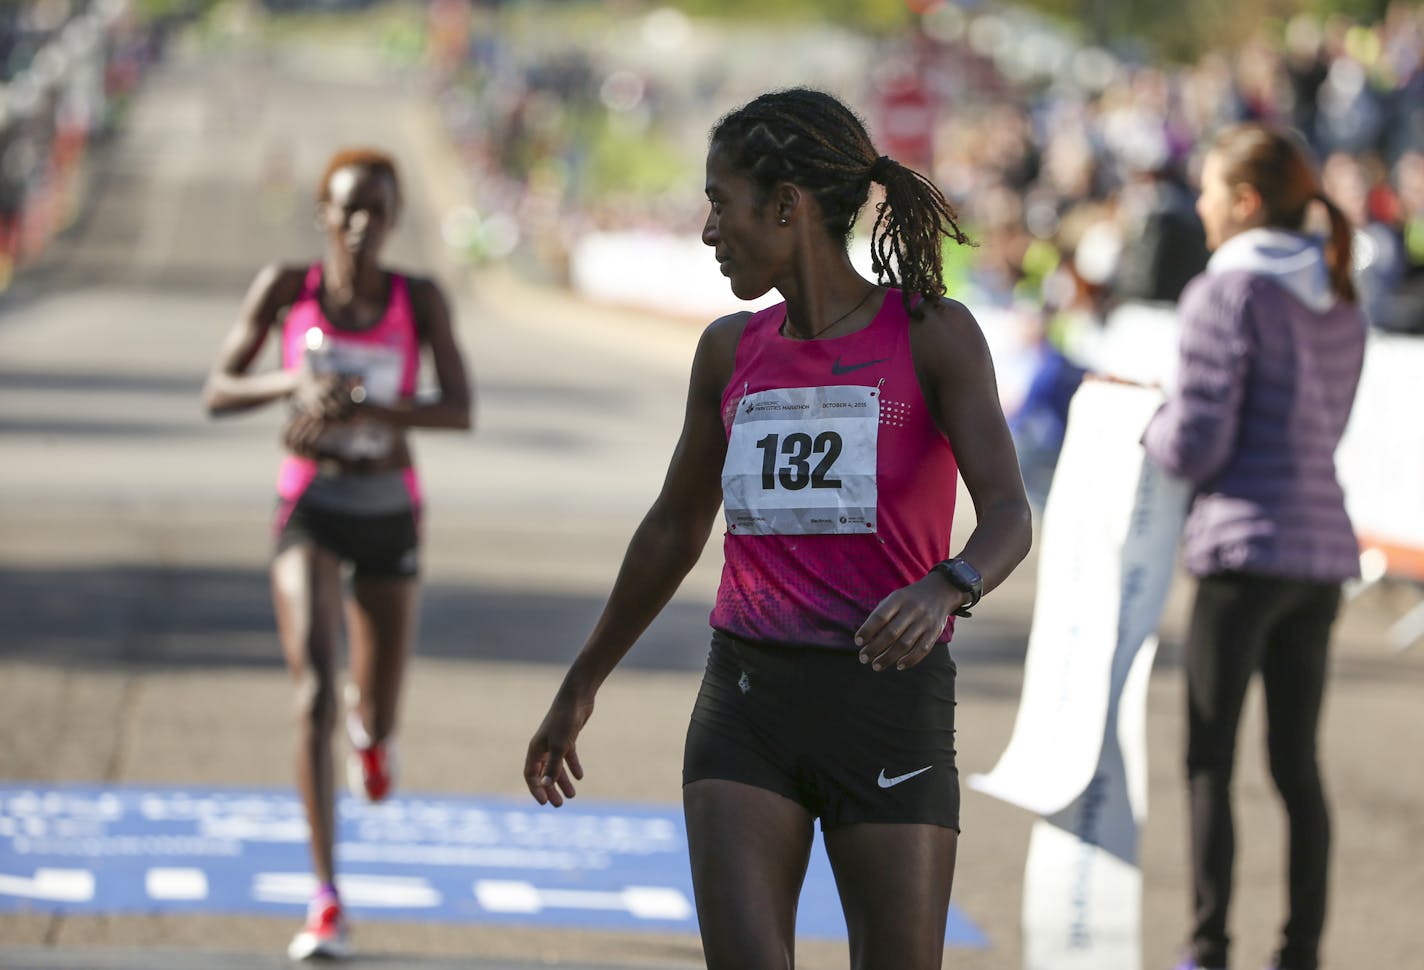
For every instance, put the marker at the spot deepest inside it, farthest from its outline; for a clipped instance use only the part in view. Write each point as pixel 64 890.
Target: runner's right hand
pixel 552 756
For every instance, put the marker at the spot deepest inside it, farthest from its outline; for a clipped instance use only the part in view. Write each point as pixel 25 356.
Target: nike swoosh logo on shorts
pixel 884 782
pixel 838 368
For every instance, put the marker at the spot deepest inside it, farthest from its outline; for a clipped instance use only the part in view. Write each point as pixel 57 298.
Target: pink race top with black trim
pixel 838 486
pixel 387 353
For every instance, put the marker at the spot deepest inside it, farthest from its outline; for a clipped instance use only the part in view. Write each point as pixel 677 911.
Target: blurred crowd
pixel 1074 167
pixel 1082 195
pixel 67 69
pixel 1107 177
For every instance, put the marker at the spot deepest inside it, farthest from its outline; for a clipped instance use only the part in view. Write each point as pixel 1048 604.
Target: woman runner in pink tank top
pixel 351 336
pixel 831 428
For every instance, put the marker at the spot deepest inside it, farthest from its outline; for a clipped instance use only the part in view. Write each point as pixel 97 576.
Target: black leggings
pixel 1242 624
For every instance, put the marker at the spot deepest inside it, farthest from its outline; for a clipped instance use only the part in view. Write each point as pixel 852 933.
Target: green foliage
pixel 1366 11
pixel 1182 32
pixel 626 158
pixel 1175 31
pixel 153 9
pixel 872 15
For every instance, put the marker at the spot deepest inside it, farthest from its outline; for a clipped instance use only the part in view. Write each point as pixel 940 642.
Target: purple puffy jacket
pixel 1268 365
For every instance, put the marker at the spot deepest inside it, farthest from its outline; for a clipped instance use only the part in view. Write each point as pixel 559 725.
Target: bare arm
pixel 967 409
pixel 957 376
pixel 230 388
pixel 663 550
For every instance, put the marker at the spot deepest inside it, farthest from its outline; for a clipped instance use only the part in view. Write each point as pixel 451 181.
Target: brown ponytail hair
pixel 1339 249
pixel 1276 163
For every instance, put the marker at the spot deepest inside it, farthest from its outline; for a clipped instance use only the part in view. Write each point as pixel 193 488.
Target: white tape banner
pixel 1077 755
pixel 1381 456
pixel 1082 883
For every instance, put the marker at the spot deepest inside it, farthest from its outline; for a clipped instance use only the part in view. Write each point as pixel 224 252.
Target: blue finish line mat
pixel 588 865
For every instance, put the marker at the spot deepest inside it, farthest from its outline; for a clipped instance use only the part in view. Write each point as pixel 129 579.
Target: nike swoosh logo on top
pixel 884 782
pixel 838 368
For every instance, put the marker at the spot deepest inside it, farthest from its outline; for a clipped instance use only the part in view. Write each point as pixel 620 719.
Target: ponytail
pixel 1339 250
pixel 1277 163
pixel 907 231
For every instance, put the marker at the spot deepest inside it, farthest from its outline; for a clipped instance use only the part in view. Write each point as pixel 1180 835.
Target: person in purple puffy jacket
pixel 1272 342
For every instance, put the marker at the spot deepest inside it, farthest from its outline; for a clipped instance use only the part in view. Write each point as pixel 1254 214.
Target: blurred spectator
pixel 1039 420
pixel 1306 67
pixel 1405 312
pixel 1273 319
pixel 1159 213
pixel 1351 112
pixel 1351 182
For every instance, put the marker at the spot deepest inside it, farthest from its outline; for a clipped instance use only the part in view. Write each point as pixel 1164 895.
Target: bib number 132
pixel 799 449
pixel 802 461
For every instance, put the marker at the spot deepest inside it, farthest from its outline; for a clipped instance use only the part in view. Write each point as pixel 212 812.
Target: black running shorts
pixel 848 743
pixel 379 546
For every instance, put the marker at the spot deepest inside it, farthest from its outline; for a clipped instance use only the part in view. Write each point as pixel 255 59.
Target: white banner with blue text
pixel 1077 756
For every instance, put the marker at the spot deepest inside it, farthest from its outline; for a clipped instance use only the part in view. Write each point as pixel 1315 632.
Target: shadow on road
pixel 91 382
pixel 126 614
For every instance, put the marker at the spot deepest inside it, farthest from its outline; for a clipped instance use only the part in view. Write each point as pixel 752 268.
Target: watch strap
pixel 965 578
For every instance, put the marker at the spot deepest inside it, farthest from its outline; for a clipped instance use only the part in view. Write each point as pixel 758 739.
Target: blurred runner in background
pixel 832 427
pixel 351 333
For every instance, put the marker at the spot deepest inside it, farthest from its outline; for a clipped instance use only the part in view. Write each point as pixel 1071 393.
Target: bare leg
pixel 381 623
pixel 306 592
pixel 894 883
pixel 749 849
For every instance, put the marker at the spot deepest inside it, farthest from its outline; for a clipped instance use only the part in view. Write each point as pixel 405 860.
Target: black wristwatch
pixel 965 578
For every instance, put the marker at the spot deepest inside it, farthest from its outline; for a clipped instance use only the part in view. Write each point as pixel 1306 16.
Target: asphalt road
pixel 137 647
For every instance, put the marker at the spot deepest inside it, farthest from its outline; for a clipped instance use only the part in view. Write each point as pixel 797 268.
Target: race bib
pixel 801 461
pixel 378 367
pixel 379 370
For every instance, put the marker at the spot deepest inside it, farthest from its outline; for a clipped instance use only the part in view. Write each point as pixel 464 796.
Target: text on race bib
pixel 801 461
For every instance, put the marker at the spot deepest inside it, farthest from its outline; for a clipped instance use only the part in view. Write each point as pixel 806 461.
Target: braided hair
pixel 811 139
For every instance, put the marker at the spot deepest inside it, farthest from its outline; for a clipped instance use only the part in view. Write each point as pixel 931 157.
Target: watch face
pixel 963 575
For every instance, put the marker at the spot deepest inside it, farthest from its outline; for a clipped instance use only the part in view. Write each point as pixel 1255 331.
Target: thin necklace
pixel 837 320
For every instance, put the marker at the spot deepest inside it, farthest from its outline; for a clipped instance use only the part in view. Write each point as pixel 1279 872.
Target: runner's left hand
pixel 901 631
pixel 302 435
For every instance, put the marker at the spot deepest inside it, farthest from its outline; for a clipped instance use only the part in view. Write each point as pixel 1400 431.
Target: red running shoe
pixel 371 765
pixel 325 936
pixel 371 772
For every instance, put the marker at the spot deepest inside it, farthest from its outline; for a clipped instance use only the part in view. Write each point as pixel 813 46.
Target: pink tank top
pixel 387 353
pixel 838 486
